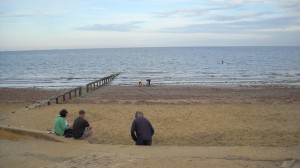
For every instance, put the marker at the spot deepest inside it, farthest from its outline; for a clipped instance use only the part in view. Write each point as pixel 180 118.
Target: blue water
pixel 171 66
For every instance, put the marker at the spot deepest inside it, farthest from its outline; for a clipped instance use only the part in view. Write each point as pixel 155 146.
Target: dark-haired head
pixel 139 114
pixel 81 113
pixel 63 113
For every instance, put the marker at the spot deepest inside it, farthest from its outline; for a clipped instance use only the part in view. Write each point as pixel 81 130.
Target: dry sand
pixel 35 153
pixel 181 115
pixel 194 127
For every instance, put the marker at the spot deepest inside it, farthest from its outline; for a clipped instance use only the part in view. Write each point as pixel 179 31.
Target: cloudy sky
pixel 57 24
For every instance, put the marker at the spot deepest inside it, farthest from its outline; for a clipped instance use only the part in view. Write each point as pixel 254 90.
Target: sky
pixel 71 24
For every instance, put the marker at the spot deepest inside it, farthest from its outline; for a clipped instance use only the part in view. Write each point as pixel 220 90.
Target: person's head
pixel 81 113
pixel 63 113
pixel 139 114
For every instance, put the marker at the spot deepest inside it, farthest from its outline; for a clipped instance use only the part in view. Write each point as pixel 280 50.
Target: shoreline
pixel 285 85
pixel 154 92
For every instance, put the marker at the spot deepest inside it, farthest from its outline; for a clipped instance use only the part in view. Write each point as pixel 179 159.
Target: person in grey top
pixel 141 130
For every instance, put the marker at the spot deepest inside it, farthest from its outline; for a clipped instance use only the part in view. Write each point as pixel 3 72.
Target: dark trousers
pixel 143 142
pixel 68 133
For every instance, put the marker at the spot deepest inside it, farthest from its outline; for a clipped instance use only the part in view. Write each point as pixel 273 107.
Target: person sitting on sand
pixel 141 130
pixel 82 128
pixel 61 126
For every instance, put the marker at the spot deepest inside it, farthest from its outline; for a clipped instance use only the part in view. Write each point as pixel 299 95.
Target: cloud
pixel 289 3
pixel 209 7
pixel 234 17
pixel 237 26
pixel 125 27
pixel 185 12
pixel 15 15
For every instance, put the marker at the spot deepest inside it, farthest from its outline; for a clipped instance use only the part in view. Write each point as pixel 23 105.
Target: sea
pixel 204 66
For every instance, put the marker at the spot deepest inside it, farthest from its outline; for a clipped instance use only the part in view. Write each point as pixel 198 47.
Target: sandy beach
pixel 181 115
pixel 250 117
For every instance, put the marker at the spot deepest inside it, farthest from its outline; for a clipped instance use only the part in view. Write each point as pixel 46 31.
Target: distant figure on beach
pixel 141 130
pixel 82 128
pixel 148 82
pixel 140 83
pixel 61 126
pixel 222 62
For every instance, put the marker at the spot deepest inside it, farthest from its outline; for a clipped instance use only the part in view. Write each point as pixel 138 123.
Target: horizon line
pixel 55 49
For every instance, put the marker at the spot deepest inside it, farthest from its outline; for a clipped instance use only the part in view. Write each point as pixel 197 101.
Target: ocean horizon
pixel 204 66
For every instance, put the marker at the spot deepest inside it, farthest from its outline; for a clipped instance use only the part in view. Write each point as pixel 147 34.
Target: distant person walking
pixel 82 128
pixel 61 126
pixel 141 130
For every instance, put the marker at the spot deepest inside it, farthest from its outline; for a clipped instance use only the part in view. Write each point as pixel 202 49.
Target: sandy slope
pixel 183 115
pixel 35 153
pixel 202 127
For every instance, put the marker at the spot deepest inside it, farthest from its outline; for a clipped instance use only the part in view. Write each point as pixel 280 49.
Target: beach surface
pixel 193 119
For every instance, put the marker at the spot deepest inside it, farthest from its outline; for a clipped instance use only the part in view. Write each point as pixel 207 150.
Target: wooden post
pixel 75 93
pixel 64 97
pixel 80 92
pixel 49 102
pixel 70 96
pixel 56 100
pixel 87 88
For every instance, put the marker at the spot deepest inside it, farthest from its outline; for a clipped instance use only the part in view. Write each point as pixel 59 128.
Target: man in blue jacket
pixel 141 130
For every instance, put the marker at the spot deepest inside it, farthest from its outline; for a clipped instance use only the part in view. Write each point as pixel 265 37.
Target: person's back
pixel 81 127
pixel 142 131
pixel 61 126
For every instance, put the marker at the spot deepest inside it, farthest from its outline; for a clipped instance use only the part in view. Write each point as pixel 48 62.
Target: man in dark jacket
pixel 141 130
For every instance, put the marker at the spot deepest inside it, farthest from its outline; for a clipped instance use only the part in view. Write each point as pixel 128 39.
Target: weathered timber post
pixel 64 97
pixel 75 93
pixel 80 92
pixel 49 102
pixel 87 88
pixel 56 100
pixel 70 96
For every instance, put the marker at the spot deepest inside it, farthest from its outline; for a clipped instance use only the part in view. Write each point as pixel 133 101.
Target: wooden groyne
pixel 63 96
pixel 78 91
pixel 98 83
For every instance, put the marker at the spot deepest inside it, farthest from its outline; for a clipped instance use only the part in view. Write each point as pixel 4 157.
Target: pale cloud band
pixel 125 27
